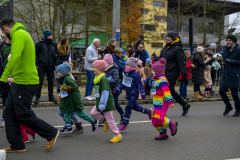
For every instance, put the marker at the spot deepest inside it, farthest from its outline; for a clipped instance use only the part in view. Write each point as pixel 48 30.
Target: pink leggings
pixel 108 117
pixel 25 130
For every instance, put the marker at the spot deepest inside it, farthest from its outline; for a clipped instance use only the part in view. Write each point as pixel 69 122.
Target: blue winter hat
pixel 148 60
pixel 64 68
pixel 213 45
pixel 47 33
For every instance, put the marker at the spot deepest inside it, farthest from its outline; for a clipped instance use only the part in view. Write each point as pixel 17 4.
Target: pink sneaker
pixel 173 128
pixel 162 136
pixel 122 128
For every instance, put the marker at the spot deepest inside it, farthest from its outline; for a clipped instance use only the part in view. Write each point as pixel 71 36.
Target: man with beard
pixel 47 61
pixel 25 82
pixel 175 63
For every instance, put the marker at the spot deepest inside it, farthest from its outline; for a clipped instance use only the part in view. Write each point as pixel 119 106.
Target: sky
pixel 233 16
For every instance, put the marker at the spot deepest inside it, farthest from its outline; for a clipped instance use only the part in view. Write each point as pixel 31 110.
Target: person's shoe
pixel 89 98
pixel 185 109
pixel 51 143
pixel 34 136
pixel 78 129
pixel 236 114
pixel 227 110
pixel 26 141
pixel 206 94
pixel 122 128
pixel 100 123
pixel 66 130
pixel 173 128
pixel 36 101
pixel 8 149
pixel 162 136
pixel 94 125
pixel 209 94
pixel 52 99
pixel 121 120
pixel 150 113
pixel 93 97
pixel 106 127
pixel 2 155
pixel 116 139
pixel 185 97
pixel 197 95
pixel 200 93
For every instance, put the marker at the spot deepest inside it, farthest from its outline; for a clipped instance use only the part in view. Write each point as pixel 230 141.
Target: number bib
pixel 154 90
pixel 64 94
pixel 127 81
pixel 97 91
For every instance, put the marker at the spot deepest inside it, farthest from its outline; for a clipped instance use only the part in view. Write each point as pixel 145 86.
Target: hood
pixel 111 67
pixel 17 27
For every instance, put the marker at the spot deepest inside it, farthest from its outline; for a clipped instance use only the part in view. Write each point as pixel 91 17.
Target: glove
pixel 114 92
pixel 2 85
pixel 185 80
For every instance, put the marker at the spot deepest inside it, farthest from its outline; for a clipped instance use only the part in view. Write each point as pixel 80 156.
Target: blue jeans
pixel 90 84
pixel 234 91
pixel 73 116
pixel 118 107
pixel 183 89
pixel 79 66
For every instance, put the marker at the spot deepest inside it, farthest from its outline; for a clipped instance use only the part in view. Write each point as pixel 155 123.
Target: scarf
pixel 168 45
pixel 130 69
pixel 60 80
pixel 98 78
pixel 230 49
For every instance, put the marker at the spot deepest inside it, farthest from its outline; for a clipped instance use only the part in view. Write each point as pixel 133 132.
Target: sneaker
pixel 93 97
pixel 162 136
pixel 116 139
pixel 2 155
pixel 89 98
pixel 150 113
pixel 52 99
pixel 78 129
pixel 36 101
pixel 51 143
pixel 26 141
pixel 95 125
pixel 227 110
pixel 106 127
pixel 185 109
pixel 173 128
pixel 122 128
pixel 8 149
pixel 66 130
pixel 236 114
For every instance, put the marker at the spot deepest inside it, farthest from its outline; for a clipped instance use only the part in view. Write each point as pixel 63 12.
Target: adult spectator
pixel 199 62
pixel 110 47
pixel 25 82
pixel 154 56
pixel 175 63
pixel 91 56
pixel 230 75
pixel 141 54
pixel 213 47
pixel 47 62
pixel 117 60
pixel 64 50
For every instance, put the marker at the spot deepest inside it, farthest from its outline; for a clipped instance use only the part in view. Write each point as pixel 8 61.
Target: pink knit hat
pixel 139 62
pixel 159 66
pixel 108 58
pixel 101 65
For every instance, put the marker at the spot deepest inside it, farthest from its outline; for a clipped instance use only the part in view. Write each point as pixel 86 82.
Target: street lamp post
pixel 116 21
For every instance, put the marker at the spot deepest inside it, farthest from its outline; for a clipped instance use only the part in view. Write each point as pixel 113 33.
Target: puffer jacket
pixel 198 71
pixel 148 70
pixel 112 75
pixel 118 62
pixel 91 56
pixel 47 56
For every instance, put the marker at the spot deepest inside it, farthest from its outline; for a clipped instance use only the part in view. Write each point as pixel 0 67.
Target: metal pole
pixel 116 20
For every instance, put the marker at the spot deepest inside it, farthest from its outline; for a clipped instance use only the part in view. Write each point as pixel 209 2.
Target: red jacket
pixel 188 66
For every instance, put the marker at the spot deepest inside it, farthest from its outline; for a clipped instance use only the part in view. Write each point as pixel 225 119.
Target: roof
pixel 104 37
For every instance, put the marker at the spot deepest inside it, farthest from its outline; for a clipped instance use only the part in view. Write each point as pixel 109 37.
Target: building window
pixel 160 19
pixel 157 45
pixel 158 4
pixel 144 11
pixel 149 28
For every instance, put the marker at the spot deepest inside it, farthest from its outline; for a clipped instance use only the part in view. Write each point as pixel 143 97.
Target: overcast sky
pixel 233 16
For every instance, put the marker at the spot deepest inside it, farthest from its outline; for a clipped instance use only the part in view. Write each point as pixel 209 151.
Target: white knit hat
pixel 200 49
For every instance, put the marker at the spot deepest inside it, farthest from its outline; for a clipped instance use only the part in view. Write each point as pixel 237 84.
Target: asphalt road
pixel 204 134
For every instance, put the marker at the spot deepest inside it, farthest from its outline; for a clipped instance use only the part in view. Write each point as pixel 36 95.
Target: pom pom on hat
pixel 101 65
pixel 159 66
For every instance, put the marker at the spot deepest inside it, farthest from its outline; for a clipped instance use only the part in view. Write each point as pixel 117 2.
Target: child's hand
pixel 58 99
pixel 9 80
pixel 171 106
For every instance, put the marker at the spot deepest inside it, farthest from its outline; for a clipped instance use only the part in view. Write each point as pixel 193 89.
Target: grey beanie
pixel 112 41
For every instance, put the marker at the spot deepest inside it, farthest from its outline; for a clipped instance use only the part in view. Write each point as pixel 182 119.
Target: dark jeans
pixel 90 84
pixel 183 89
pixel 5 93
pixel 18 110
pixel 213 76
pixel 175 95
pixel 196 87
pixel 50 76
pixel 118 107
pixel 225 99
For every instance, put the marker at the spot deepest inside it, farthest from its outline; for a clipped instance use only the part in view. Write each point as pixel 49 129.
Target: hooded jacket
pixel 112 75
pixel 22 64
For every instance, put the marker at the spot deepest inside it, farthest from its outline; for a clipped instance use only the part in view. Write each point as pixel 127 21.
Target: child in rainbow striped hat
pixel 162 99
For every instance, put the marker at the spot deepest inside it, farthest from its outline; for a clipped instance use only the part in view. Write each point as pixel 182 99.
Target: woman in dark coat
pixel 198 60
pixel 111 47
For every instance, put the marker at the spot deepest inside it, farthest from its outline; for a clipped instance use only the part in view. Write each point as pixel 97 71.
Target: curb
pixel 124 102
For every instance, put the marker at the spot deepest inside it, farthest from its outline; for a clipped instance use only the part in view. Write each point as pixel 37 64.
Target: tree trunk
pixel 221 28
pixel 204 23
pixel 178 18
pixel 87 25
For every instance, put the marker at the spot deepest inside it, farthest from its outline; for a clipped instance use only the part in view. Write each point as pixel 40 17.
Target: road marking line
pixel 233 159
pixel 133 122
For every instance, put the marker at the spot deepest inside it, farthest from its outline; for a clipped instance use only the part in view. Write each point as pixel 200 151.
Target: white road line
pixel 233 159
pixel 85 125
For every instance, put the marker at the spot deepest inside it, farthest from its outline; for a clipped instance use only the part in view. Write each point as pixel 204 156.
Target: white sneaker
pixel 2 155
pixel 89 98
pixel 93 97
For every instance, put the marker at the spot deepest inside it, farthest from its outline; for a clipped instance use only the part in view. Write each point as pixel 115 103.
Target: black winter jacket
pixel 175 60
pixel 47 56
pixel 112 75
pixel 198 71
pixel 142 56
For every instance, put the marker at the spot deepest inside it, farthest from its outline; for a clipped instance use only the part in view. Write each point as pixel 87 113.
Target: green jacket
pixel 22 63
pixel 109 101
pixel 73 101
